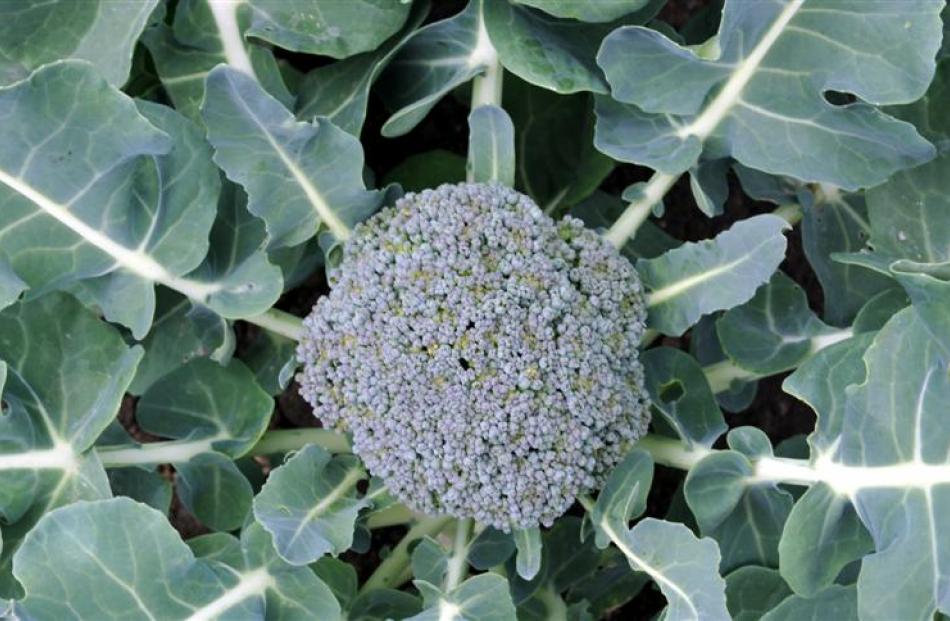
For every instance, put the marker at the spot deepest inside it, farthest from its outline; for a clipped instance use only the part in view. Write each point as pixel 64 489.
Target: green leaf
pixel 744 516
pixel 326 27
pixel 198 40
pixel 588 10
pixel 438 57
pixel 429 561
pixel 528 559
pixel 482 598
pixel 554 168
pixel 143 485
pixel 680 392
pixel 774 331
pixel 623 497
pixel 126 561
pixel 490 548
pixel 384 604
pixel 928 285
pixel 299 177
pixel 214 490
pixel 684 567
pixel 272 359
pixel 181 331
pixel 340 577
pixel 822 535
pixel 699 278
pixel 491 146
pixel 310 505
pixel 426 170
pixel 212 407
pixel 101 32
pixel 11 286
pixel 837 222
pixel 752 591
pixel 756 91
pixel 836 602
pixel 556 54
pixel 46 424
pixel 107 208
pixel 340 91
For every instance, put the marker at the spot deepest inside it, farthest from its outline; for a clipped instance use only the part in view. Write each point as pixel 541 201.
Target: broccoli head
pixel 483 356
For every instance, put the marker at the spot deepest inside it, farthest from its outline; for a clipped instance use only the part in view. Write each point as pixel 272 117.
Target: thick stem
pixel 286 440
pixel 279 322
pixel 486 88
pixel 390 571
pixel 458 565
pixel 224 13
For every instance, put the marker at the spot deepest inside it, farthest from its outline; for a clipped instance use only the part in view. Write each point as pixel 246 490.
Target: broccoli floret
pixel 483 357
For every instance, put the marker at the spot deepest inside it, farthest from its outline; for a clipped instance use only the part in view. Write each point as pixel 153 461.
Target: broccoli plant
pixel 474 310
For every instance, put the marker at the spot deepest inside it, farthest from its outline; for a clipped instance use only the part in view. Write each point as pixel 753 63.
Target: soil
pixel 773 411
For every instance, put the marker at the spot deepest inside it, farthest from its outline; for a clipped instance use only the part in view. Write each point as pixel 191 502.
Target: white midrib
pixel 319 204
pixel 724 101
pixel 224 13
pixel 320 508
pixel 648 569
pixel 665 294
pixel 251 584
pixel 58 457
pixel 134 261
pixel 172 452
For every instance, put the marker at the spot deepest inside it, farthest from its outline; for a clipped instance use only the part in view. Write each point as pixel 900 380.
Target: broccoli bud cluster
pixel 483 356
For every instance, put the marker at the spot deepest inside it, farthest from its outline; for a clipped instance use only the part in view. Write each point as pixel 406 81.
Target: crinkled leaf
pixel 928 285
pixel 184 52
pixel 623 497
pixel 181 331
pixel 438 57
pixel 837 222
pixel 556 54
pixel 299 177
pixel 326 27
pixel 310 504
pixel 491 146
pixel 101 32
pixel 680 392
pixel 775 330
pixel 755 92
pixel 699 278
pixel 685 568
pixel 107 207
pixel 340 91
pixel 482 598
pixel 214 407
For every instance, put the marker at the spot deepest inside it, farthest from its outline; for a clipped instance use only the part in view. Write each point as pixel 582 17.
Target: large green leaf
pixel 699 278
pixel 482 598
pixel 200 39
pixel 326 27
pixel 300 178
pixel 756 91
pixel 66 372
pixel 775 330
pixel 103 32
pixel 310 504
pixel 118 559
pixel 107 194
pixel 434 61
pixel 340 91
pixel 752 591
